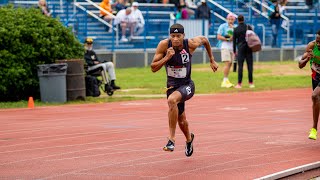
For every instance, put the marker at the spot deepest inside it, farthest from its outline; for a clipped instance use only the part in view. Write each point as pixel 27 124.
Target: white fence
pixel 193 27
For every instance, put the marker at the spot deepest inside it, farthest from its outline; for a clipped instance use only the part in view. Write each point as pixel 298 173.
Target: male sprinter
pixel 312 54
pixel 176 53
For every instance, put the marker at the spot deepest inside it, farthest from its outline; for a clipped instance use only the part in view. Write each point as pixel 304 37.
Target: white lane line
pixel 101 166
pixel 104 154
pixel 136 104
pixel 79 136
pixel 135 140
pixel 237 160
pixel 101 123
pixel 82 150
pixel 115 175
pixel 291 171
pixel 157 149
pixel 129 130
pixel 170 160
pixel 234 108
pixel 84 124
pixel 97 114
pixel 286 111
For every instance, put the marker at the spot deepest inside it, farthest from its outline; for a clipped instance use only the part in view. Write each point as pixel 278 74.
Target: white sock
pixel 225 79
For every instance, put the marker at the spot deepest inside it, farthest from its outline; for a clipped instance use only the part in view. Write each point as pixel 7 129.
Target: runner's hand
pixel 214 66
pixel 170 52
pixel 309 54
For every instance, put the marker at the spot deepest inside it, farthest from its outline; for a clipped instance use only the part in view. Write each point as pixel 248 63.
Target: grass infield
pixel 141 83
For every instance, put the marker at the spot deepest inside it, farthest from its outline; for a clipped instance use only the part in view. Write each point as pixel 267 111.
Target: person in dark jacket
pixel 203 11
pixel 244 52
pixel 93 64
pixel 275 21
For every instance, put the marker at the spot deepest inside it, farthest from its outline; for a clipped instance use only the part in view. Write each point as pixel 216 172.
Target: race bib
pixel 315 67
pixel 177 72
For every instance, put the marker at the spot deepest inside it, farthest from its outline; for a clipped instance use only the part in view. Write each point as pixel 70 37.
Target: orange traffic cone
pixel 31 103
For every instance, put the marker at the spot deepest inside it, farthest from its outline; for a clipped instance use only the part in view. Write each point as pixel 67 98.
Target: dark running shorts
pixel 315 79
pixel 187 91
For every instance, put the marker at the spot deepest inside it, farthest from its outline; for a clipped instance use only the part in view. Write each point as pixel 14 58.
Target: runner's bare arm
pixel 162 55
pixel 307 55
pixel 199 41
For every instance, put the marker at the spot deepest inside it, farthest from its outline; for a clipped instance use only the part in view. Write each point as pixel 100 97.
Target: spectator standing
pixel 275 19
pixel 105 4
pixel 203 11
pixel 190 12
pixel 44 8
pixel 137 17
pixel 244 52
pixel 182 12
pixel 225 36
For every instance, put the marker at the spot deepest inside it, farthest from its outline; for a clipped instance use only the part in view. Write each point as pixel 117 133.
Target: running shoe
pixel 238 86
pixel 226 84
pixel 189 146
pixel 169 146
pixel 313 134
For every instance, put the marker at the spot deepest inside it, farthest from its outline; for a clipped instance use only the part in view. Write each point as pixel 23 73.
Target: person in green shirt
pixel 312 55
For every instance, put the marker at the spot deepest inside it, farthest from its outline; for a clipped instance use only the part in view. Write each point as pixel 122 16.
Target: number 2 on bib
pixel 185 58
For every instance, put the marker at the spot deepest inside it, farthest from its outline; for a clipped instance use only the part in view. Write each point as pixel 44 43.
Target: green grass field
pixel 141 81
pixel 267 76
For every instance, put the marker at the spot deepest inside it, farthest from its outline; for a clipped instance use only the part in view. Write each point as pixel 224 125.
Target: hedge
pixel 27 39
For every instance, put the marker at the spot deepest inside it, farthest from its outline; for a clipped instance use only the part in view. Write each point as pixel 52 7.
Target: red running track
pixel 237 136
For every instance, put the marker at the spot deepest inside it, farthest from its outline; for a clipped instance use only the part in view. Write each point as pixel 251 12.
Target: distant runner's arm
pixel 306 56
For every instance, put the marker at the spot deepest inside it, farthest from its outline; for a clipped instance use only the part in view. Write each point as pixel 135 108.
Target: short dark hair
pixel 318 32
pixel 176 26
pixel 240 18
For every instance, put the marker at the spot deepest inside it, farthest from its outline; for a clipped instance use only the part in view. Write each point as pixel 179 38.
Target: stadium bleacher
pixel 83 18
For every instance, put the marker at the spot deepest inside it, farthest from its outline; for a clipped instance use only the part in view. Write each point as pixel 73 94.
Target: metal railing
pixel 287 28
pixel 101 9
pixel 228 11
pixel 220 15
pixel 222 8
pixel 115 29
pixel 272 10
